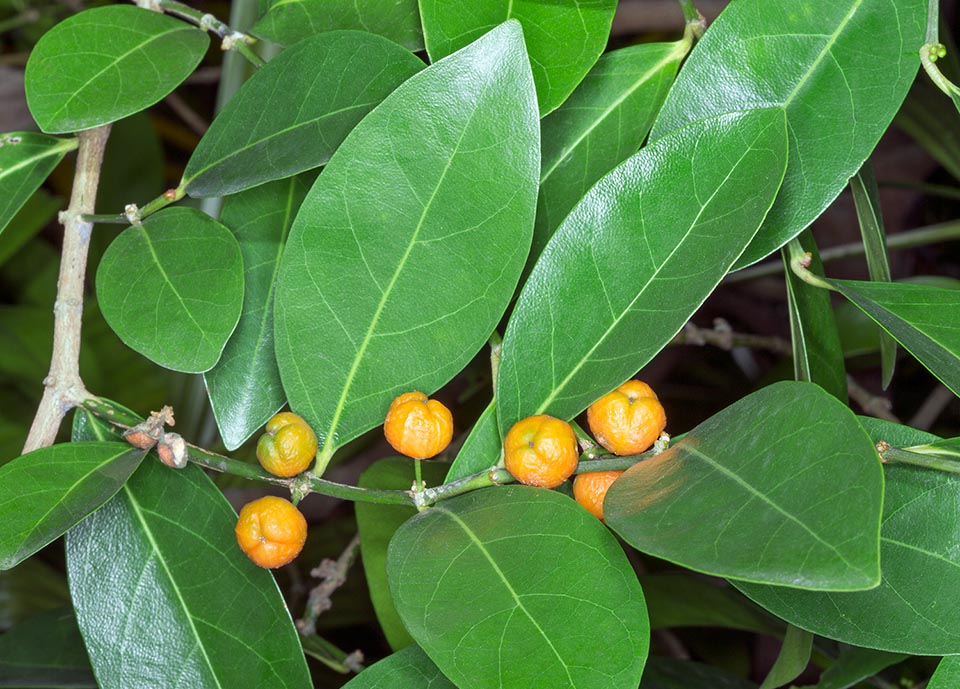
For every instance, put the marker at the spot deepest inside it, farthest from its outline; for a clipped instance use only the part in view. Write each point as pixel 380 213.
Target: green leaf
pixel 841 71
pixel 912 610
pixel 313 106
pixel 866 198
pixel 406 669
pixel 244 386
pixel 377 524
pixel 34 214
pixel 172 288
pixel 103 64
pixel 563 39
pixel 669 673
pixel 45 651
pixel 404 256
pixel 792 660
pixel 165 598
pixel 45 492
pixel 489 584
pixel 602 123
pixel 923 319
pixel 482 448
pixel 817 353
pixel 855 665
pixel 783 486
pixel 634 260
pixel 289 21
pixel 29 588
pixel 26 159
pixel 947 675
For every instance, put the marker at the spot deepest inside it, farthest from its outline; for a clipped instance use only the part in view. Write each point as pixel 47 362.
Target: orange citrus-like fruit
pixel 288 446
pixel 591 488
pixel 418 427
pixel 271 531
pixel 628 420
pixel 541 451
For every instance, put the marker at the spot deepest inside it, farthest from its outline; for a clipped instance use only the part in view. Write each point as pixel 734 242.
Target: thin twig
pixel 189 116
pixel 332 575
pixel 870 403
pixel 931 408
pixel 63 388
pixel 722 336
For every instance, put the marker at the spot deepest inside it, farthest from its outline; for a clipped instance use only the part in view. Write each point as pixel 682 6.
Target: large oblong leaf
pixel 312 108
pixel 105 63
pixel 633 261
pixel 602 123
pixel 841 70
pixel 551 600
pixel 947 675
pixel 172 288
pixel 164 596
pixel 406 669
pixel 781 487
pixel 26 158
pixel 44 493
pixel 244 387
pixel 564 39
pixel 913 610
pixel 289 21
pixel 408 248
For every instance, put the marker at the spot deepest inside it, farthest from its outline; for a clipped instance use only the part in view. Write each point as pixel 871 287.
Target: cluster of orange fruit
pixel 539 451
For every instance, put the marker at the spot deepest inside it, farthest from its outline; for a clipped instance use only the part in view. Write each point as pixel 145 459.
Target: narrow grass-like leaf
pixel 289 21
pixel 817 352
pixel 842 69
pixel 866 198
pixel 46 652
pixel 792 660
pixel 26 158
pixel 103 64
pixel 564 39
pixel 947 675
pixel 244 386
pixel 407 250
pixel 482 448
pixel 377 524
pixel 912 610
pixel 634 260
pixel 602 123
pixel 313 107
pixel 924 319
pixel 410 668
pixel 781 487
pixel 172 288
pixel 44 493
pixel 488 584
pixel 856 665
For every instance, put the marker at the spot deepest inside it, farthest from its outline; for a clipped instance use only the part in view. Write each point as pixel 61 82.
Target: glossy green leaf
pixel 244 386
pixel 912 611
pixel 377 524
pixel 669 673
pixel 840 68
pixel 924 319
pixel 313 106
pixel 26 159
pixel 602 124
pixel 783 486
pixel 488 584
pixel 165 598
pixel 289 21
pixel 482 448
pixel 792 660
pixel 866 198
pixel 406 669
pixel 172 288
pixel 46 492
pixel 105 63
pixel 563 39
pixel 634 260
pixel 855 665
pixel 947 675
pixel 408 248
pixel 817 353
pixel 45 651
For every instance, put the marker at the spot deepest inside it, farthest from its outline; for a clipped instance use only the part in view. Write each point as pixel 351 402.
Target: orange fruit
pixel 288 446
pixel 541 451
pixel 271 531
pixel 628 420
pixel 418 427
pixel 591 488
